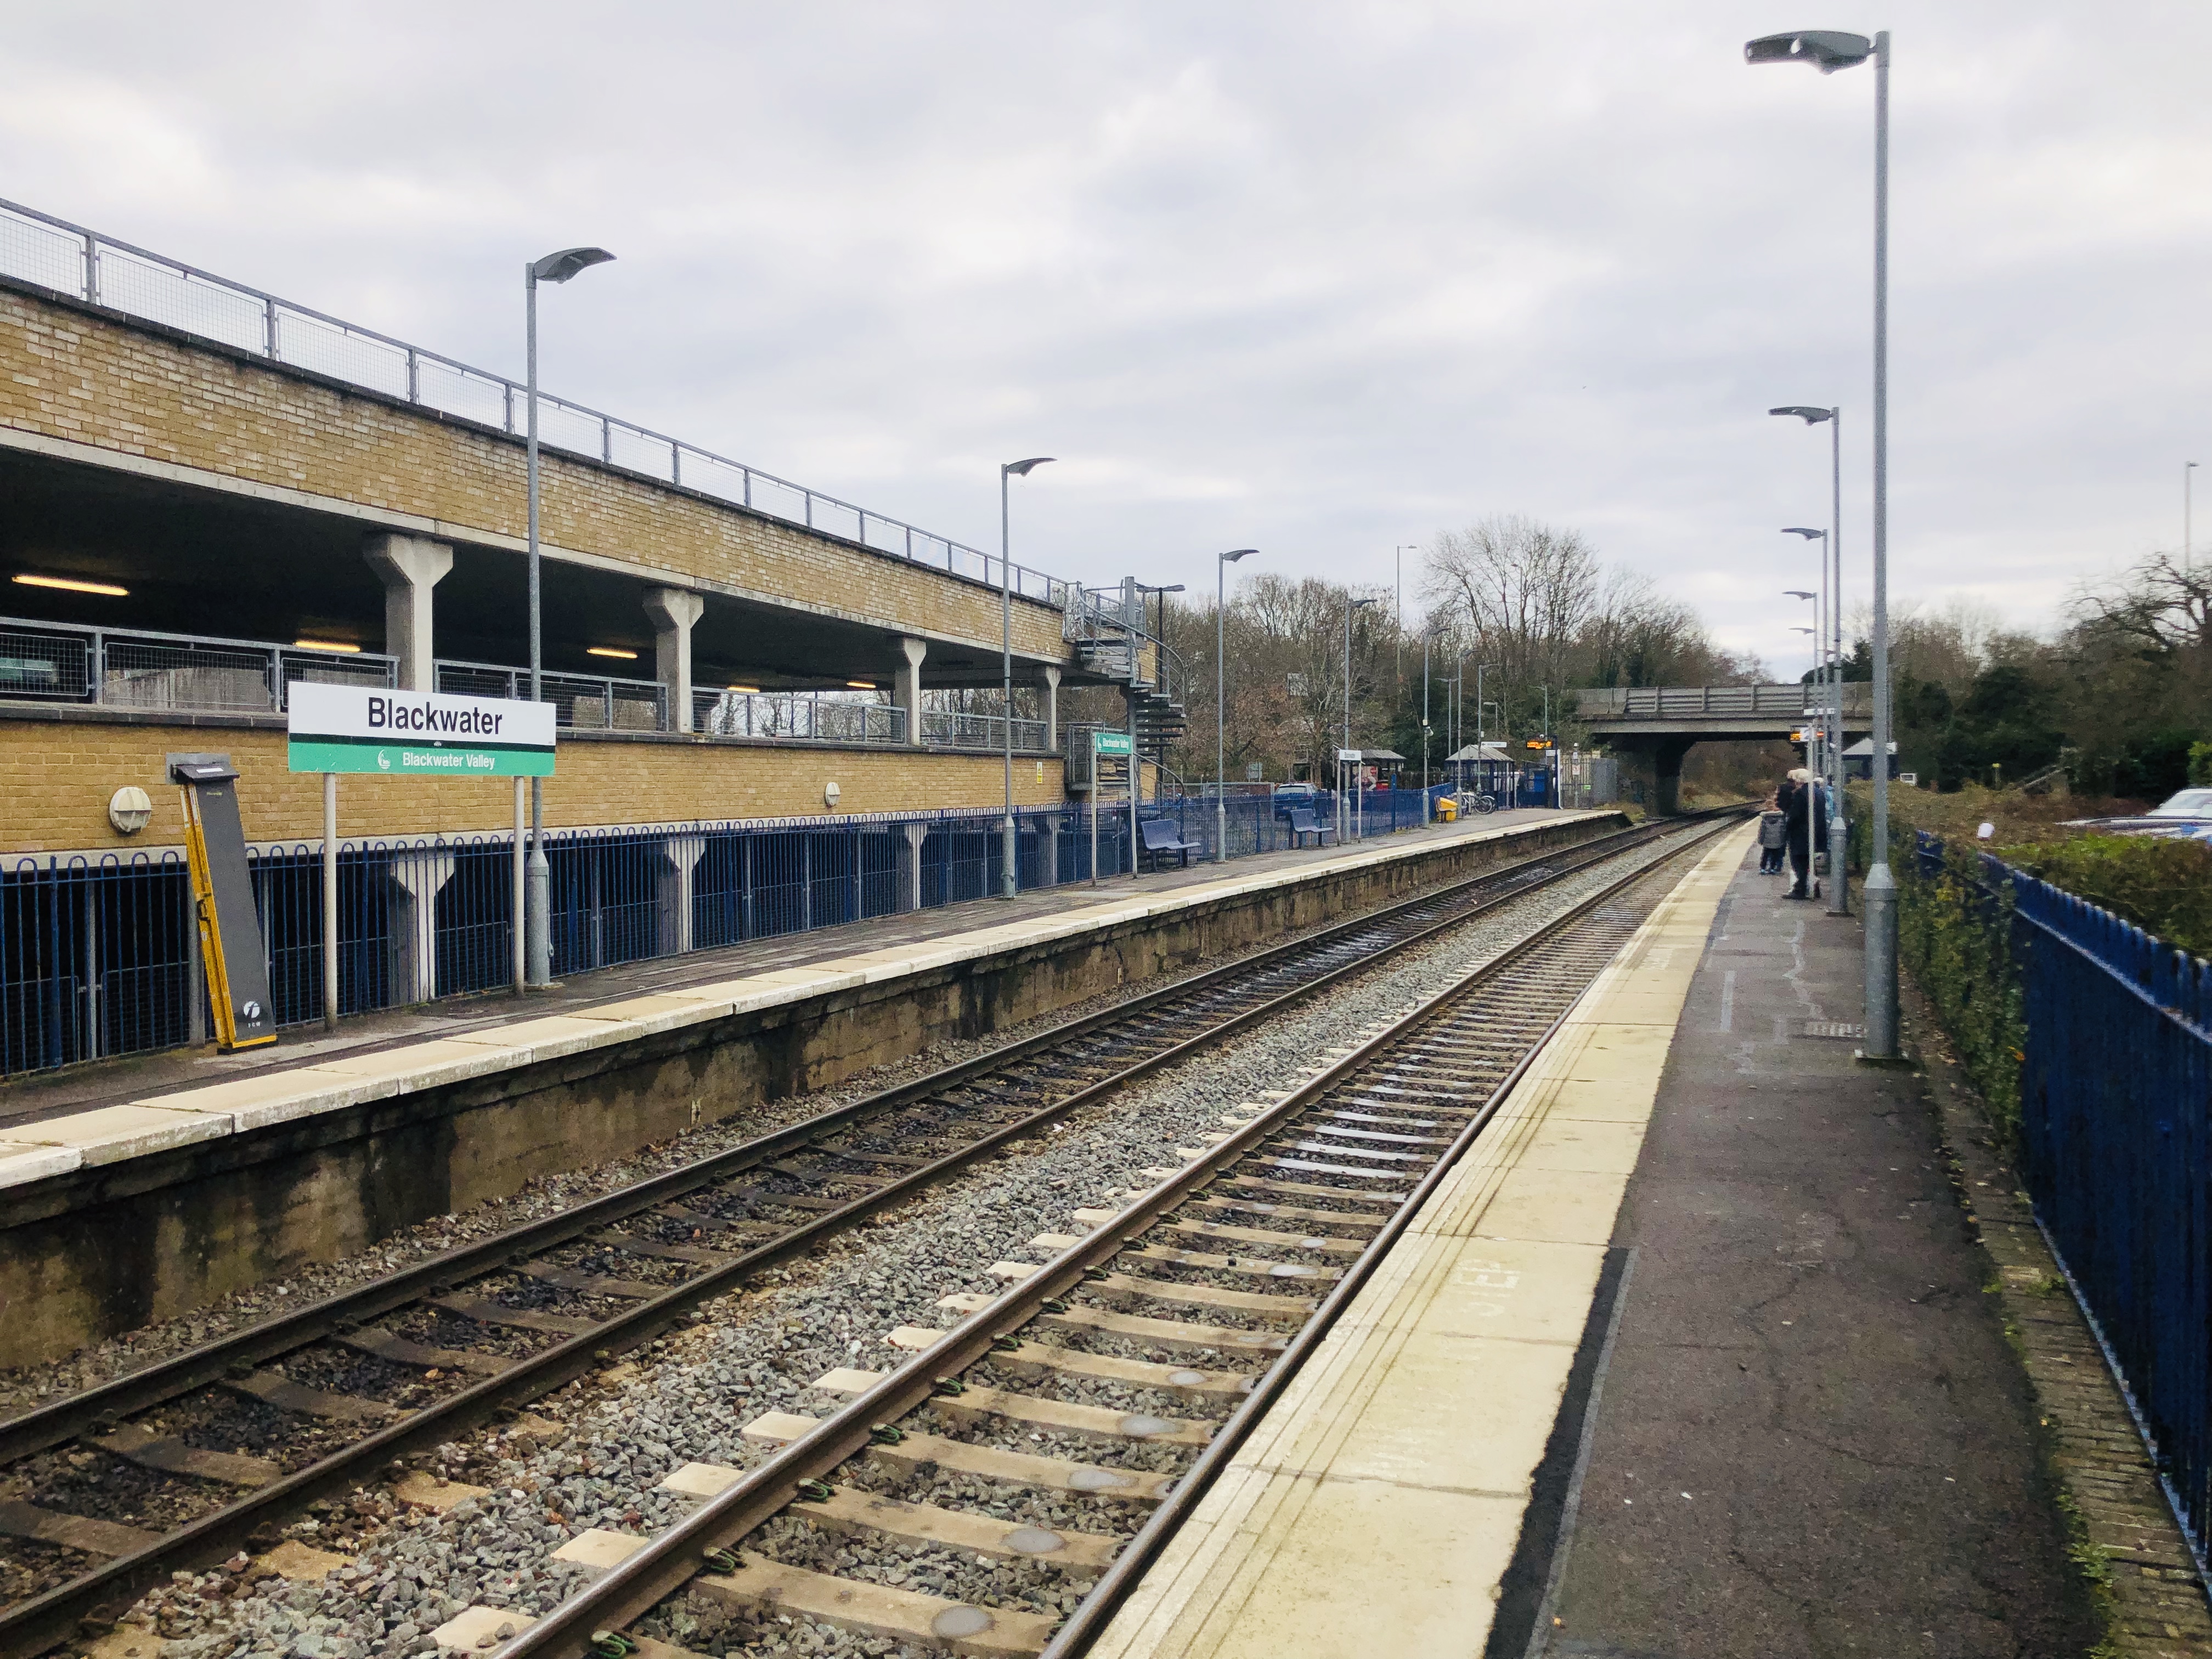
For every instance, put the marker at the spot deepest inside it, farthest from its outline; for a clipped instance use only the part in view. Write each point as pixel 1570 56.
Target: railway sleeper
pixel 878 1610
pixel 1066 1417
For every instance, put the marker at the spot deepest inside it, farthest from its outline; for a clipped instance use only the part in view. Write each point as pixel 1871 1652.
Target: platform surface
pixel 1688 1359
pixel 108 1111
pixel 1378 1506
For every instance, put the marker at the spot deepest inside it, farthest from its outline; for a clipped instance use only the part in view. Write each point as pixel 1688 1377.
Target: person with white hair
pixel 1806 811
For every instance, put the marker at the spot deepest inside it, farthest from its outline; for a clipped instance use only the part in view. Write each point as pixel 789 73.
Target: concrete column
pixel 906 685
pixel 910 864
pixel 1050 674
pixel 674 611
pixel 418 877
pixel 678 882
pixel 409 567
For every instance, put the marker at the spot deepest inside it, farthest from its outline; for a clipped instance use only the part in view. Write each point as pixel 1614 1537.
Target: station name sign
pixel 1110 743
pixel 344 728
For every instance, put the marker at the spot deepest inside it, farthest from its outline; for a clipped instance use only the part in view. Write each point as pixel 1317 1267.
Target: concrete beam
pixel 409 567
pixel 674 612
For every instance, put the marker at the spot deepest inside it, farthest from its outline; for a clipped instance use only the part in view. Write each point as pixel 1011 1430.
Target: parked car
pixel 2187 813
pixel 1296 798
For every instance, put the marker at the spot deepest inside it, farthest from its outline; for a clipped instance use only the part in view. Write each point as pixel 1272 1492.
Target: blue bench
pixel 1162 837
pixel 1306 822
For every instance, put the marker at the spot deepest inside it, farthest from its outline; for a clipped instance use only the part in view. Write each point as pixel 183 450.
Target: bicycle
pixel 1475 801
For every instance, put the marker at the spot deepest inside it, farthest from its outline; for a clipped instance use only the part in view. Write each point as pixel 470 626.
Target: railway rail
pixel 314 1400
pixel 1114 1380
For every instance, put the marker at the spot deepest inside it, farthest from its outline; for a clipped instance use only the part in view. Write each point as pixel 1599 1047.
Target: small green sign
pixel 1110 743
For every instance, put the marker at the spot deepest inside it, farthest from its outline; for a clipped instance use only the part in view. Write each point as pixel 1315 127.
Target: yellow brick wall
pixel 55 778
pixel 73 375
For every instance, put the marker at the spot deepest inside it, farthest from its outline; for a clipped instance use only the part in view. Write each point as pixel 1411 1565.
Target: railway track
pixel 104 1492
pixel 1044 1448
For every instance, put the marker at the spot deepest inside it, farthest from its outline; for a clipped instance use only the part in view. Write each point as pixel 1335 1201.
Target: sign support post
pixel 1119 745
pixel 329 900
pixel 521 889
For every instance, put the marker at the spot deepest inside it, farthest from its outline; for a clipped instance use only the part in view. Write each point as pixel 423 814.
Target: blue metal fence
pixel 2116 1116
pixel 99 954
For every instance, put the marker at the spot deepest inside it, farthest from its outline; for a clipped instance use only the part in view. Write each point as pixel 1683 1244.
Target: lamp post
pixel 1010 873
pixel 2187 468
pixel 1840 880
pixel 537 925
pixel 1829 51
pixel 1351 605
pixel 1221 702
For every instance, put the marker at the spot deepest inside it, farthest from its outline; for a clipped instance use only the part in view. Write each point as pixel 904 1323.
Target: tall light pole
pixel 1813 762
pixel 1010 873
pixel 2187 468
pixel 538 905
pixel 1398 615
pixel 1351 605
pixel 1829 51
pixel 1838 841
pixel 1221 702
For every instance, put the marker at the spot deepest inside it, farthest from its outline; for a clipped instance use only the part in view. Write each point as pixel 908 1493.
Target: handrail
pixel 414 374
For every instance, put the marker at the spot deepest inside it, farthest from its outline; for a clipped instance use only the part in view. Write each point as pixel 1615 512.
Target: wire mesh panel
pixel 608 704
pixel 329 668
pixel 165 293
pixel 628 447
pixel 34 252
pixel 561 427
pixel 150 673
pixel 470 679
pixel 327 349
pixel 36 664
pixel 461 392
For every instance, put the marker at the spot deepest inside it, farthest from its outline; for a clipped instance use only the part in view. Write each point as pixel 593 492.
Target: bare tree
pixel 1521 592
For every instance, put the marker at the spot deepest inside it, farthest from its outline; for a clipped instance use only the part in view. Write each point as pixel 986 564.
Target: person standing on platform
pixel 1805 815
pixel 1773 835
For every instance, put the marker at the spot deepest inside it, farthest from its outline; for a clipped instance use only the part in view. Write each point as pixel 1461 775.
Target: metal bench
pixel 1306 822
pixel 1161 838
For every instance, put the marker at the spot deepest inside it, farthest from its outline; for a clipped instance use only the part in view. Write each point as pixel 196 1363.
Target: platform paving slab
pixel 1810 1436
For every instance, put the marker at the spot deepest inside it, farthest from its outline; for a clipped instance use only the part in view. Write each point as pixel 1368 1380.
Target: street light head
pixel 1798 593
pixel 1023 468
pixel 560 267
pixel 1827 50
pixel 1241 553
pixel 1805 412
pixel 1800 630
pixel 1810 535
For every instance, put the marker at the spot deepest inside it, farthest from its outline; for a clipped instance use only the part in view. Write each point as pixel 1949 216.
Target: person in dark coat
pixel 1774 836
pixel 1805 797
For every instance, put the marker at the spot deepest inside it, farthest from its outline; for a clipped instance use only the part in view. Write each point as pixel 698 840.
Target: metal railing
pixel 1617 701
pixel 591 701
pixel 801 716
pixel 2115 1145
pixel 130 668
pixel 944 728
pixel 53 253
pixel 99 956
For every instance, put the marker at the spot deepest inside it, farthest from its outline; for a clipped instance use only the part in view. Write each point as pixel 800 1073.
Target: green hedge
pixel 1956 940
pixel 2163 886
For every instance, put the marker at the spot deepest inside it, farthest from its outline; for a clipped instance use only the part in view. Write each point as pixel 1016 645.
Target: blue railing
pixel 2116 1147
pixel 99 956
pixel 2116 1121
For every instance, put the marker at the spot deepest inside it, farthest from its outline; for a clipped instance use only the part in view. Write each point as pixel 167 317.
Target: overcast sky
pixel 1322 279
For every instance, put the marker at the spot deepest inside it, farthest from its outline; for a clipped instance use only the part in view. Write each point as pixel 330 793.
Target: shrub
pixel 1956 939
pixel 2163 886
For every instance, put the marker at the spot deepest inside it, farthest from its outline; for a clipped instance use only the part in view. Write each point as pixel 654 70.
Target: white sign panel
pixel 347 728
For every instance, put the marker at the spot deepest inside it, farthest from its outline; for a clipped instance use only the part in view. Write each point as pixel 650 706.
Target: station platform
pixel 1687 1358
pixel 325 1143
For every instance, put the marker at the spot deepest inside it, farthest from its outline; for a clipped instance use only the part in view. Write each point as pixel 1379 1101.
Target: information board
pixel 345 728
pixel 1110 743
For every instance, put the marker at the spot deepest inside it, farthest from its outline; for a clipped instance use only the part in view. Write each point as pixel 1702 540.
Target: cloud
pixel 1321 279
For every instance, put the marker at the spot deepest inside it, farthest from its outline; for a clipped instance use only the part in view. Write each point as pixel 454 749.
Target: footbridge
pixel 1651 727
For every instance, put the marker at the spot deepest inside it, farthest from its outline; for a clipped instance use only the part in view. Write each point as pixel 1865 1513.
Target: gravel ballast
pixel 591 1455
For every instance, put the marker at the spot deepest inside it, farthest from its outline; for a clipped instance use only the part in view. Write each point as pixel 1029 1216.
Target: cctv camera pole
pixel 1839 899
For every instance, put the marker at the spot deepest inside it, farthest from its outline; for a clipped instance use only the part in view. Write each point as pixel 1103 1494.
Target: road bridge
pixel 1651 727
